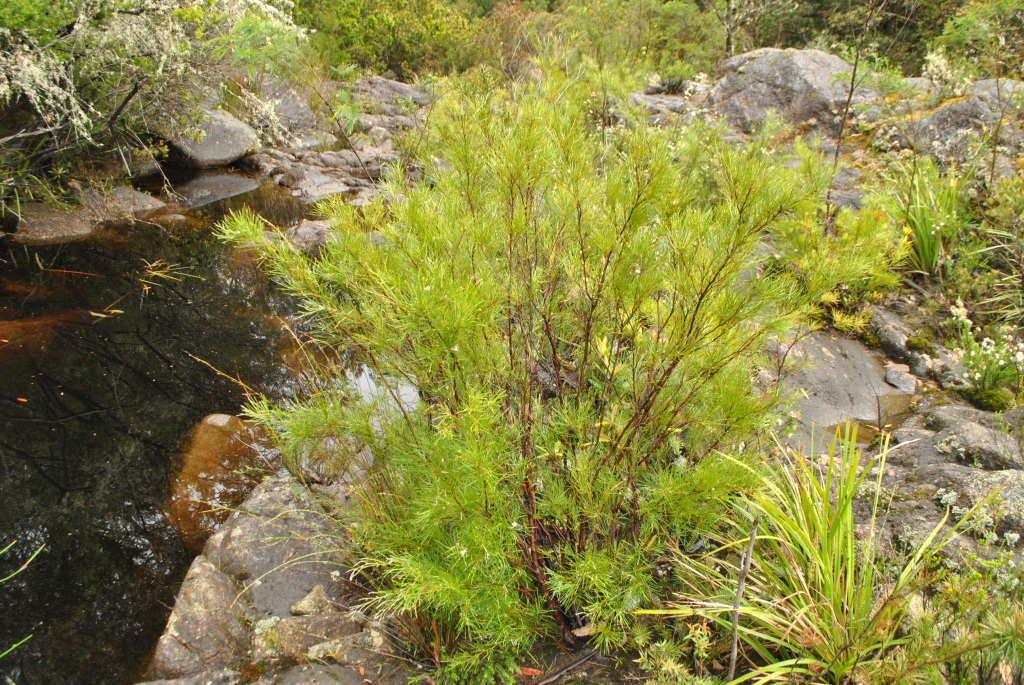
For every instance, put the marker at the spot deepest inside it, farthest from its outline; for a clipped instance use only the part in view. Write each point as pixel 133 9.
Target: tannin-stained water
pixel 107 351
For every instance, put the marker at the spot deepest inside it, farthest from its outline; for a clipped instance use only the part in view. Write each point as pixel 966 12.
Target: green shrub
pixel 994 399
pixel 1003 229
pixel 858 254
pixel 994 363
pixel 399 37
pixel 987 38
pixel 575 307
pixel 644 33
pixel 920 343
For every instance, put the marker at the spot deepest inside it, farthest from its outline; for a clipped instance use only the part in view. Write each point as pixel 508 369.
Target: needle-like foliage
pixel 582 308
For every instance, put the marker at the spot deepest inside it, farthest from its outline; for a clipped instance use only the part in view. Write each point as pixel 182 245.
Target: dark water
pixel 99 385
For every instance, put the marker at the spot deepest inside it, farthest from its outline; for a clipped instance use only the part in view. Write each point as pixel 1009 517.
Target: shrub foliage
pixel 582 309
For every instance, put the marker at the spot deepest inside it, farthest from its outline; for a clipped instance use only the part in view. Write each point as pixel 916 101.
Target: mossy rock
pixel 919 343
pixel 989 400
pixel 870 340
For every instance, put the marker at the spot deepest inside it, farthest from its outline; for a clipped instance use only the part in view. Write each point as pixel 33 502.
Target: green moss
pixel 919 343
pixel 870 340
pixel 989 400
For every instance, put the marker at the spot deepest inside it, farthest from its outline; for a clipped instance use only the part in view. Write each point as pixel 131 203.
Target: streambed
pixel 107 354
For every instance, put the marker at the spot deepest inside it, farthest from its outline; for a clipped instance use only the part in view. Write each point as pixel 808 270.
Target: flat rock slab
pixel 836 380
pixel 210 188
pixel 121 203
pixel 278 546
pixel 45 225
pixel 223 140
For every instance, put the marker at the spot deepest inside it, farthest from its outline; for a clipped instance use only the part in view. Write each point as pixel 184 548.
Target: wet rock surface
pixel 212 187
pixel 207 629
pixel 43 225
pixel 944 456
pixel 269 589
pixel 122 203
pixel 222 460
pixel 837 380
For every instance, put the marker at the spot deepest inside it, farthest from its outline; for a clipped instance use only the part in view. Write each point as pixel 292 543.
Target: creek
pixel 110 349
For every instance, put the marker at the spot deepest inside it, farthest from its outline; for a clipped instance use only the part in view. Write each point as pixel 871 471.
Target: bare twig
pixel 579 662
pixel 830 209
pixel 744 570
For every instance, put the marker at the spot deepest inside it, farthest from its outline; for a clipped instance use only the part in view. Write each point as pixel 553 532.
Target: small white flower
pixel 463 552
pixel 426 287
pixel 455 348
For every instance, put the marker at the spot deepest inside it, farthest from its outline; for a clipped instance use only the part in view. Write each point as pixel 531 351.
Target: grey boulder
pixel 950 131
pixel 802 86
pixel 223 140
pixel 208 627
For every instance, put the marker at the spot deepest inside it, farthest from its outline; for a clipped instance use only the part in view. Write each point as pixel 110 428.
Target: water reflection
pixel 102 375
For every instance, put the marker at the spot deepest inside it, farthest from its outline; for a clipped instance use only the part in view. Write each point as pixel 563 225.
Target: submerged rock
pixel 214 187
pixel 220 465
pixel 43 225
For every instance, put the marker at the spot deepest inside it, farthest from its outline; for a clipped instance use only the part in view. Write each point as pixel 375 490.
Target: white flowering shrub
pixel 95 74
pixel 991 363
pixel 947 75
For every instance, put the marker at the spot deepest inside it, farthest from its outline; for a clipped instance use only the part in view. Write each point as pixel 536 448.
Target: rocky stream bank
pixel 269 599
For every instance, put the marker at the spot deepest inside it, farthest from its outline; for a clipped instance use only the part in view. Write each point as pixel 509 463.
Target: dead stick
pixel 744 570
pixel 579 662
